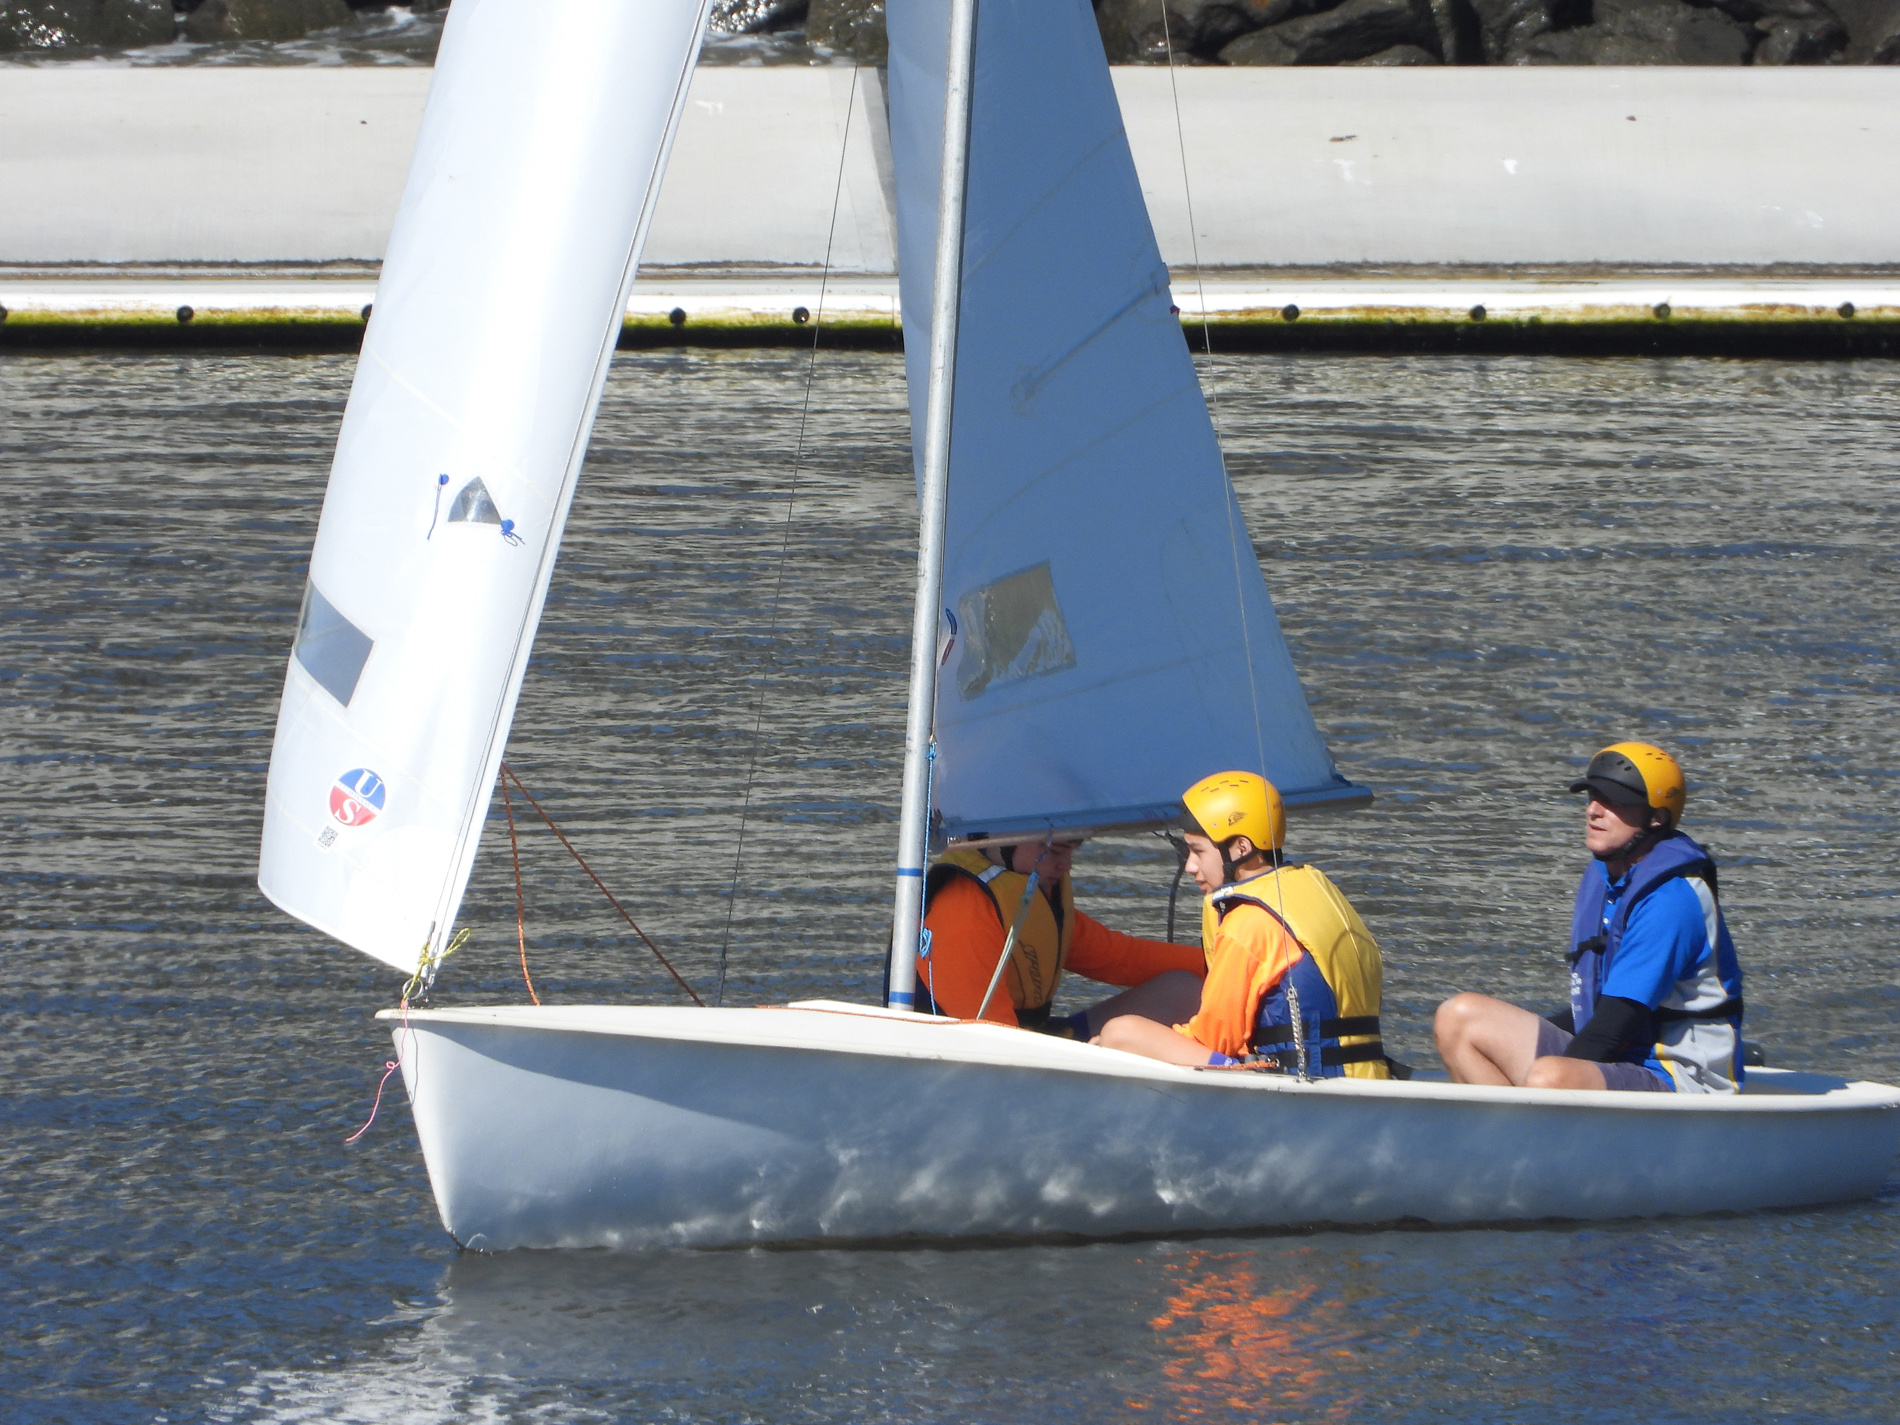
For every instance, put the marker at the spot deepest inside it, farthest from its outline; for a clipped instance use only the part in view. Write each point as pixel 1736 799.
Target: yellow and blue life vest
pixel 1337 981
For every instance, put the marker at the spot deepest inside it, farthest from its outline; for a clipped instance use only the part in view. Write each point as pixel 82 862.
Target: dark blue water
pixel 1486 569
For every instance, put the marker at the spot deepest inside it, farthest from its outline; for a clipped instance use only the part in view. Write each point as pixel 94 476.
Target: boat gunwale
pixel 1050 1054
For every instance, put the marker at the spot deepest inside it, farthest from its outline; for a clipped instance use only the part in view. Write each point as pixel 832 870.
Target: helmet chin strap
pixel 1640 843
pixel 1230 869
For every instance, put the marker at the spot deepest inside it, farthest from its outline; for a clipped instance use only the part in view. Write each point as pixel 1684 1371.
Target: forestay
pixel 501 296
pixel 1110 639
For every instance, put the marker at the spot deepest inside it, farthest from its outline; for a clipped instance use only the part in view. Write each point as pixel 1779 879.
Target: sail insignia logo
pixel 357 797
pixel 472 505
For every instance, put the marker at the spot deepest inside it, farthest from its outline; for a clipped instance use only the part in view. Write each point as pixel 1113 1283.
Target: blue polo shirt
pixel 1676 954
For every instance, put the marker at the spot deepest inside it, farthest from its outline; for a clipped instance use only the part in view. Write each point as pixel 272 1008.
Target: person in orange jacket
pixel 1293 975
pixel 973 896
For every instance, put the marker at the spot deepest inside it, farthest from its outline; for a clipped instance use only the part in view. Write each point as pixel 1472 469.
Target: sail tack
pixel 532 185
pixel 1112 637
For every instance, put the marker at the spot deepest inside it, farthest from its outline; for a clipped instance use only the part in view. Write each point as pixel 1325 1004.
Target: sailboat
pixel 1092 634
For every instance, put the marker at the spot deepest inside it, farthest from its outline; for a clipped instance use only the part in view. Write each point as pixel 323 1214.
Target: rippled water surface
pixel 1486 569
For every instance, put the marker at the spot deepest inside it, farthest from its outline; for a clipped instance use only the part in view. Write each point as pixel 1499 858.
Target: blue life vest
pixel 1593 943
pixel 1318 1044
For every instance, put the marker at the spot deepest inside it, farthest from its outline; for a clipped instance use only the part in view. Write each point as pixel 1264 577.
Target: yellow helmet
pixel 1636 772
pixel 1230 804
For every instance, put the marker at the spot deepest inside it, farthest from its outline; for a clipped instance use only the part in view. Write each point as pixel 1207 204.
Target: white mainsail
pixel 1113 638
pixel 502 291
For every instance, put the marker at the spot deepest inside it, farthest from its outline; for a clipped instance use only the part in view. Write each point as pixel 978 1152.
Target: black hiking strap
pixel 1034 1017
pixel 1276 1034
pixel 1289 1059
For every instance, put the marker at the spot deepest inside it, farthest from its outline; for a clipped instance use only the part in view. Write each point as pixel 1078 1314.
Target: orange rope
pixel 508 775
pixel 521 923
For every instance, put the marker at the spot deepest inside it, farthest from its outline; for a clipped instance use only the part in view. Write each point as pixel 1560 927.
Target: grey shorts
pixel 1634 1078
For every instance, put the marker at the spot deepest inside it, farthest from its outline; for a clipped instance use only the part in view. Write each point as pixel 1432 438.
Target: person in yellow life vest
pixel 1293 975
pixel 972 897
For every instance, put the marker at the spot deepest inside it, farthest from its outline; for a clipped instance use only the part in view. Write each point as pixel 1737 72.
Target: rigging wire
pixel 785 543
pixel 1277 862
pixel 1207 345
pixel 509 774
pixel 521 921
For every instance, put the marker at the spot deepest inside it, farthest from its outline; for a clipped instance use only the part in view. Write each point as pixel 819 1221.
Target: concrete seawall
pixel 1442 177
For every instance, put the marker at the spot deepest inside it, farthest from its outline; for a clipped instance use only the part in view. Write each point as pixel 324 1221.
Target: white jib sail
pixel 501 297
pixel 1114 641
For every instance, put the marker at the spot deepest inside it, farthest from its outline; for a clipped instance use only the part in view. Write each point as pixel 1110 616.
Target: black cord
pixel 1180 867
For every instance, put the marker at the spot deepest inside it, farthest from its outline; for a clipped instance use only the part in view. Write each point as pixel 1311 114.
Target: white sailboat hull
pixel 592 1126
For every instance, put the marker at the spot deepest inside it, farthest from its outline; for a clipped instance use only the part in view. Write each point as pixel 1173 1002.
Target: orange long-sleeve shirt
pixel 1252 952
pixel 966 937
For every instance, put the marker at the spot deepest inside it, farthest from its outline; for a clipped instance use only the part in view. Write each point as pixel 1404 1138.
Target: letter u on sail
pixel 1116 638
pixel 501 298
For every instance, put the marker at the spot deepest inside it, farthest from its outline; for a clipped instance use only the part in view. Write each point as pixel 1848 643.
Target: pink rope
pixel 389 1067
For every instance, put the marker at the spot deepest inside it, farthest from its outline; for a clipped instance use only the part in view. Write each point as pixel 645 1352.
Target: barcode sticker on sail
pixel 1013 630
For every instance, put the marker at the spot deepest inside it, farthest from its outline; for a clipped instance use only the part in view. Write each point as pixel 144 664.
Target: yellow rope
pixel 424 963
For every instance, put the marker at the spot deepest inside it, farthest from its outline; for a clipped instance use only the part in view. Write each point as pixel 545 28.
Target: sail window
pixel 474 505
pixel 1013 630
pixel 331 648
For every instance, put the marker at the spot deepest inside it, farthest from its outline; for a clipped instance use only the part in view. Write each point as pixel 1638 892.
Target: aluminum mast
pixel 913 850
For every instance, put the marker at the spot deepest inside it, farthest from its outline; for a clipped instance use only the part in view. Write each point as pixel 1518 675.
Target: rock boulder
pixel 57 24
pixel 1135 31
pixel 1643 32
pixel 1792 31
pixel 215 20
pixel 1398 55
pixel 747 17
pixel 1505 27
pixel 1357 29
pixel 854 28
pixel 1870 24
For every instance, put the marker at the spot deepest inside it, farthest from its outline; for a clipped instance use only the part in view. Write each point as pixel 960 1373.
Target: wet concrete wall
pixel 1625 167
pixel 1619 166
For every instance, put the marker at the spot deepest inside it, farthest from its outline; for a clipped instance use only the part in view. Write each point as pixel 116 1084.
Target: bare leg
pixel 1556 1072
pixel 1171 997
pixel 1134 1035
pixel 1486 1041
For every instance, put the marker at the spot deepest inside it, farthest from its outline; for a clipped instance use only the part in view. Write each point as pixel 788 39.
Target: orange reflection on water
pixel 1274 1352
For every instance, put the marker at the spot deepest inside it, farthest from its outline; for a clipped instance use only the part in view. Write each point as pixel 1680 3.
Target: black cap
pixel 1614 778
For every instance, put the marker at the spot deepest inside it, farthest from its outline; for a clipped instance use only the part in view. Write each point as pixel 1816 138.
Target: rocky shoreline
pixel 1231 32
pixel 88 28
pixel 1407 32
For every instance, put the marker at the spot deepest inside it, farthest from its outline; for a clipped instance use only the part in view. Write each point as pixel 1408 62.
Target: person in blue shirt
pixel 1655 990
